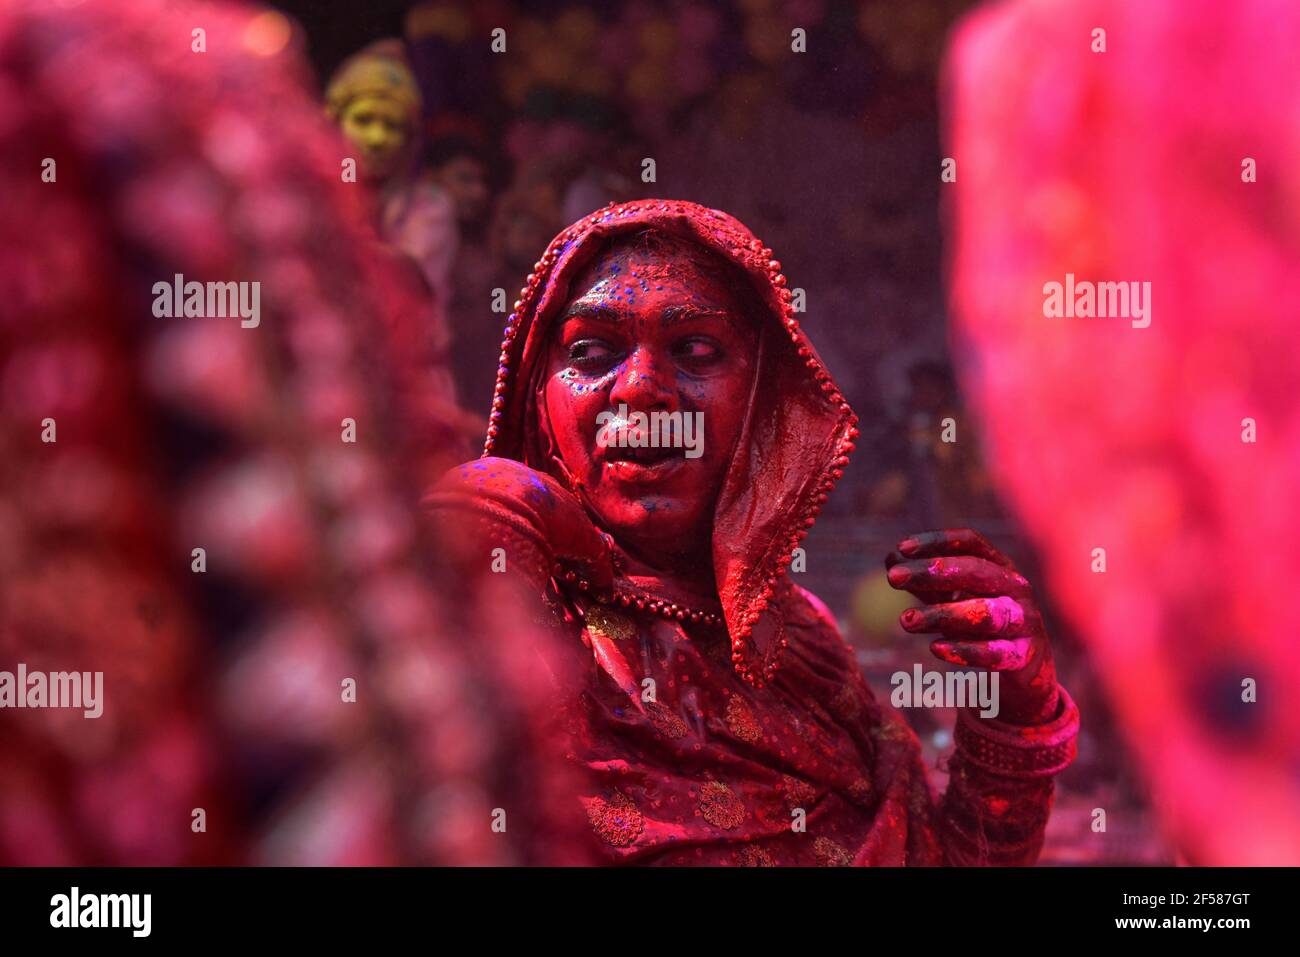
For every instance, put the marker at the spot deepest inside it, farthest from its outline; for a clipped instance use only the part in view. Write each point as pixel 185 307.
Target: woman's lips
pixel 642 465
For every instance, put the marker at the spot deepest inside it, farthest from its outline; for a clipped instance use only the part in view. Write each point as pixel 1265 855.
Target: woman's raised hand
pixel 985 612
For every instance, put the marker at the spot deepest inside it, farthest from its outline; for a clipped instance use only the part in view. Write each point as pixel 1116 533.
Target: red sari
pixel 733 727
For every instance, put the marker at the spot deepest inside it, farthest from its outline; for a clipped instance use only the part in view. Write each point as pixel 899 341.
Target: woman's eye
pixel 590 352
pixel 697 351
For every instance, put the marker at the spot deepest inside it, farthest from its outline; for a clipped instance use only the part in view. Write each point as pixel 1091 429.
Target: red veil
pixel 797 434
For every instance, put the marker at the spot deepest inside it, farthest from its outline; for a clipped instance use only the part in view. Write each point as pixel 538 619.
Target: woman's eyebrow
pixel 687 311
pixel 589 310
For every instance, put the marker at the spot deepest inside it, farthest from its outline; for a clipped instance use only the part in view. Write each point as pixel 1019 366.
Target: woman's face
pixel 377 126
pixel 650 334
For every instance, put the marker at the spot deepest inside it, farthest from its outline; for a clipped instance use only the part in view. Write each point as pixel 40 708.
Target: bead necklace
pixel 673 611
pixel 643 601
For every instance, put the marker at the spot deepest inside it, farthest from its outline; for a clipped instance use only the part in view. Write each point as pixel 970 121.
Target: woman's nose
pixel 647 381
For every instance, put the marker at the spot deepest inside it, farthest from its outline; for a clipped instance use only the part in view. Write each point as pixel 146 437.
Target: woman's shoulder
pixel 500 481
pixel 813 608
pixel 812 630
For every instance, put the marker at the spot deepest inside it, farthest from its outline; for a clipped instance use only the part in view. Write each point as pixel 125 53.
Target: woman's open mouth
pixel 649 464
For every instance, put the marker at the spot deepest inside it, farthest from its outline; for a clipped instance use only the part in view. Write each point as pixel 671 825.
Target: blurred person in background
pixel 460 169
pixel 934 475
pixel 525 218
pixel 374 99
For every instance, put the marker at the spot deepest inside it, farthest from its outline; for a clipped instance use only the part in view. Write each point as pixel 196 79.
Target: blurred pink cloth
pixel 1127 165
pixel 224 691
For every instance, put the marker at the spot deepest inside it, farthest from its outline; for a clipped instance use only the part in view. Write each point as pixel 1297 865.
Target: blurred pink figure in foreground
pixel 1172 439
pixel 132 440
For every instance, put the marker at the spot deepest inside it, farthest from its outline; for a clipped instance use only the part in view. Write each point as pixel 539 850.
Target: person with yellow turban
pixel 375 100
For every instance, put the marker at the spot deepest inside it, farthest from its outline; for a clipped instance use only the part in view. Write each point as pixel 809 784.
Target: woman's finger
pixel 962 573
pixel 975 618
pixel 996 654
pixel 951 541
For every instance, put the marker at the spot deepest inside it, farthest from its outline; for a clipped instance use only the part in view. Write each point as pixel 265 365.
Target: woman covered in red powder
pixel 718 712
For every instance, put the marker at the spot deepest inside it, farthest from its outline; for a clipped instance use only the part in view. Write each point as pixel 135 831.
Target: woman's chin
pixel 651 523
